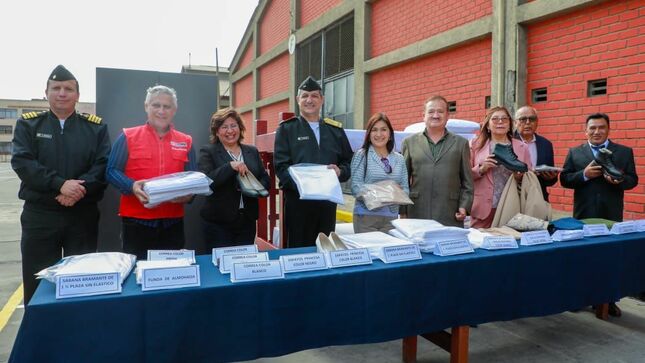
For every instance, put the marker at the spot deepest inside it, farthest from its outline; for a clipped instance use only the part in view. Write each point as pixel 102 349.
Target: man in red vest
pixel 145 152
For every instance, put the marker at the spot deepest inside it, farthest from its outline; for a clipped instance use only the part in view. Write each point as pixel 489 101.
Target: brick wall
pixel 270 113
pixel 247 119
pixel 247 56
pixel 310 10
pixel 274 25
pixel 396 23
pixel 274 76
pixel 564 53
pixel 461 74
pixel 243 91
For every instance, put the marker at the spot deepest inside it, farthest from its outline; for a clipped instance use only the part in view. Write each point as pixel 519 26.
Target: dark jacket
pixel 544 157
pixel 45 156
pixel 222 206
pixel 296 143
pixel 596 198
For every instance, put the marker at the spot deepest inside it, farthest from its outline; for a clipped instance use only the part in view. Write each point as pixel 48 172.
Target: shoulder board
pixel 30 115
pixel 91 118
pixel 334 123
pixel 288 120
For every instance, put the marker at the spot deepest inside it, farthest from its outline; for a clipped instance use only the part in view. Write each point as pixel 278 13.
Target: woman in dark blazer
pixel 229 217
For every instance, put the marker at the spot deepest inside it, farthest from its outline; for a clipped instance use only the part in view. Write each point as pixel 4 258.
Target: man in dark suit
pixel 540 148
pixel 596 194
pixel 309 139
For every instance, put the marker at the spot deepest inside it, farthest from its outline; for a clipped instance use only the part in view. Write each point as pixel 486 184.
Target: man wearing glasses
pixel 309 139
pixel 540 148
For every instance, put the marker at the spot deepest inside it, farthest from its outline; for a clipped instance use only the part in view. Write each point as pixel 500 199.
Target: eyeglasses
pixel 386 165
pixel 499 119
pixel 527 119
pixel 229 127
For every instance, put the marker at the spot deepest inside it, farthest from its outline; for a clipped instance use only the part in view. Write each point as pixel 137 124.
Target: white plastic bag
pixel 382 193
pixel 91 263
pixel 316 182
pixel 170 186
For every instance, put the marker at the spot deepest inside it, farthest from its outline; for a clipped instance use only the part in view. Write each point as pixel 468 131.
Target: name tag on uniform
pixel 43 136
pixel 301 138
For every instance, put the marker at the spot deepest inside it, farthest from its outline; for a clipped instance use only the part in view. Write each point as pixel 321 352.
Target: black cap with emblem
pixel 309 85
pixel 60 73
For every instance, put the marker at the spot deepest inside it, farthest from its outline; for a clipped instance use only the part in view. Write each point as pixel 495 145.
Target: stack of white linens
pixel 170 186
pixel 373 241
pixel 425 232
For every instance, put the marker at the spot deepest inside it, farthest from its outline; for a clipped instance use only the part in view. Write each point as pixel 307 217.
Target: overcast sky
pixel 82 35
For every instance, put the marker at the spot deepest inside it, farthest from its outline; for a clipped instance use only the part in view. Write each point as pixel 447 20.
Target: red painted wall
pixel 310 10
pixel 243 91
pixel 274 25
pixel 461 74
pixel 247 119
pixel 247 56
pixel 564 53
pixel 274 76
pixel 398 23
pixel 270 113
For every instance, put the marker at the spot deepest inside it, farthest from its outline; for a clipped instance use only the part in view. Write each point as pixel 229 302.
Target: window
pixel 452 106
pixel 487 102
pixel 329 57
pixel 5 147
pixel 597 87
pixel 8 113
pixel 538 95
pixel 6 129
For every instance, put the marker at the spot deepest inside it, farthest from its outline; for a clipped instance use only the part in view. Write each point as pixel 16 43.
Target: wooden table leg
pixel 602 311
pixel 409 349
pixel 459 344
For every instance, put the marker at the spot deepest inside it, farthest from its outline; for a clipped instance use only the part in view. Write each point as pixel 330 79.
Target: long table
pixel 221 321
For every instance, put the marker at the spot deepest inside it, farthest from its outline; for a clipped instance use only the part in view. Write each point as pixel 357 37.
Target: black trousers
pixel 239 232
pixel 138 238
pixel 48 235
pixel 304 219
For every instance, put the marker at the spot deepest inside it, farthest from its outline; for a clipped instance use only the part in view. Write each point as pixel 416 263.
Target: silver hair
pixel 528 107
pixel 160 89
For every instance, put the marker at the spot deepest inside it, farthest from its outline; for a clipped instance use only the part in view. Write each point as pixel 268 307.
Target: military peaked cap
pixel 309 85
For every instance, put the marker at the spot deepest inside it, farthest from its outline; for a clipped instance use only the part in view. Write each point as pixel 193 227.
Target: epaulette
pixel 290 119
pixel 33 114
pixel 91 118
pixel 334 123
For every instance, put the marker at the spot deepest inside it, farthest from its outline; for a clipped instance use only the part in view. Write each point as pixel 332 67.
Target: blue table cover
pixel 221 321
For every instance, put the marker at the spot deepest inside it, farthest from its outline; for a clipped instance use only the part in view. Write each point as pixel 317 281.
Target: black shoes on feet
pixel 505 155
pixel 603 158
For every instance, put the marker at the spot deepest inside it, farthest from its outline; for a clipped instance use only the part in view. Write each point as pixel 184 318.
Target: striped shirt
pixel 376 172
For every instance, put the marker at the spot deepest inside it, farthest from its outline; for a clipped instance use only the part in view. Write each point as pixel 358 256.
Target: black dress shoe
pixel 505 155
pixel 604 159
pixel 614 310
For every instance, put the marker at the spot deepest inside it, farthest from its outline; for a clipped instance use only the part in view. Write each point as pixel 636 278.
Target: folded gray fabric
pixel 521 222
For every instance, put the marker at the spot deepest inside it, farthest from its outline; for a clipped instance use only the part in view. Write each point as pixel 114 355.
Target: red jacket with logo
pixel 150 156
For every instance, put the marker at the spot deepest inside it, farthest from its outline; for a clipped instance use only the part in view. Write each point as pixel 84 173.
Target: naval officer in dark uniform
pixel 309 139
pixel 60 156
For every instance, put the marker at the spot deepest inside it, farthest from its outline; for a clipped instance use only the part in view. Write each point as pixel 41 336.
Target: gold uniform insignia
pixel 30 115
pixel 334 123
pixel 91 118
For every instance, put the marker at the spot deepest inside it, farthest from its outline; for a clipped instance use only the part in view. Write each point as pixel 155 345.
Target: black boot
pixel 505 155
pixel 603 158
